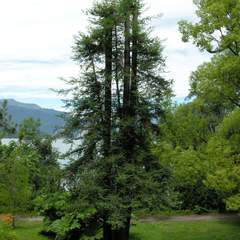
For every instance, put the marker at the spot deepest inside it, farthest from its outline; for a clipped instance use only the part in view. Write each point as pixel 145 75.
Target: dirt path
pixel 29 219
pixel 151 219
pixel 190 218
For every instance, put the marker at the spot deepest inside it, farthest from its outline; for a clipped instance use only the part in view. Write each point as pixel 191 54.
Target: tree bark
pixel 108 92
pixel 134 61
pixel 117 234
pixel 122 233
pixel 13 221
pixel 107 231
pixel 107 116
pixel 127 80
pixel 119 108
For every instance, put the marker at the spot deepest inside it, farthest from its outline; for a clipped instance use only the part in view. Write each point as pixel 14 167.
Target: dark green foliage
pixel 129 151
pixel 115 105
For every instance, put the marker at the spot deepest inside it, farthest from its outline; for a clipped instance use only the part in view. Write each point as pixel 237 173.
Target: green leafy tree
pixel 45 168
pixel 28 130
pixel 217 84
pixel 223 155
pixel 15 191
pixel 216 32
pixel 6 125
pixel 189 125
pixel 218 27
pixel 183 136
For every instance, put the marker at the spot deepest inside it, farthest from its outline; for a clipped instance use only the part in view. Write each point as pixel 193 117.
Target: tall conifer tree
pixel 115 105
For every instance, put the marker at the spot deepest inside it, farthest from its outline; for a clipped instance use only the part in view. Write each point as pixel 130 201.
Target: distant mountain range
pixel 50 119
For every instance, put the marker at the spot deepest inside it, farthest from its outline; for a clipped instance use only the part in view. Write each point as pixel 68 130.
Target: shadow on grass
pixel 135 236
pixel 234 222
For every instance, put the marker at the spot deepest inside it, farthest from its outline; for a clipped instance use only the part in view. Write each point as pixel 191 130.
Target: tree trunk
pixel 127 80
pixel 108 92
pixel 13 221
pixel 118 234
pixel 134 62
pixel 107 116
pixel 107 231
pixel 119 108
pixel 123 233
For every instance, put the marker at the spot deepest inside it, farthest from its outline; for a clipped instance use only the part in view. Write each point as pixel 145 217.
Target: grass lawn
pixel 197 230
pixel 28 231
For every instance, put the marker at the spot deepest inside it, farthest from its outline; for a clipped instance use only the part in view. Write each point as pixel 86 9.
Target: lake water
pixel 60 145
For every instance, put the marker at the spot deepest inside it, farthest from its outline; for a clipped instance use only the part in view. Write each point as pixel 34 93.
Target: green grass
pixel 197 230
pixel 29 231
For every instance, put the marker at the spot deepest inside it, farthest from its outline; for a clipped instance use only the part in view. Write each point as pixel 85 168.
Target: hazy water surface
pixel 60 145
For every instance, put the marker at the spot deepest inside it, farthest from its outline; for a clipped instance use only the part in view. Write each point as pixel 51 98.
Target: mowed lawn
pixel 196 230
pixel 29 231
pixel 164 230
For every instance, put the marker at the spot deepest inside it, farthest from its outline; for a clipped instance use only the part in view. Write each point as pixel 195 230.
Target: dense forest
pixel 138 151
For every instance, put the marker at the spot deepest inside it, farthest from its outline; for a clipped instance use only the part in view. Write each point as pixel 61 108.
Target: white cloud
pixel 182 58
pixel 37 35
pixel 171 8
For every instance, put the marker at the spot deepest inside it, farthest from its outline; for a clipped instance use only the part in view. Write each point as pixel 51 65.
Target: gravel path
pixel 29 219
pixel 190 218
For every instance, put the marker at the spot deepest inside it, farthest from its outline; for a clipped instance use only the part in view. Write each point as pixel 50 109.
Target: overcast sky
pixel 37 35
